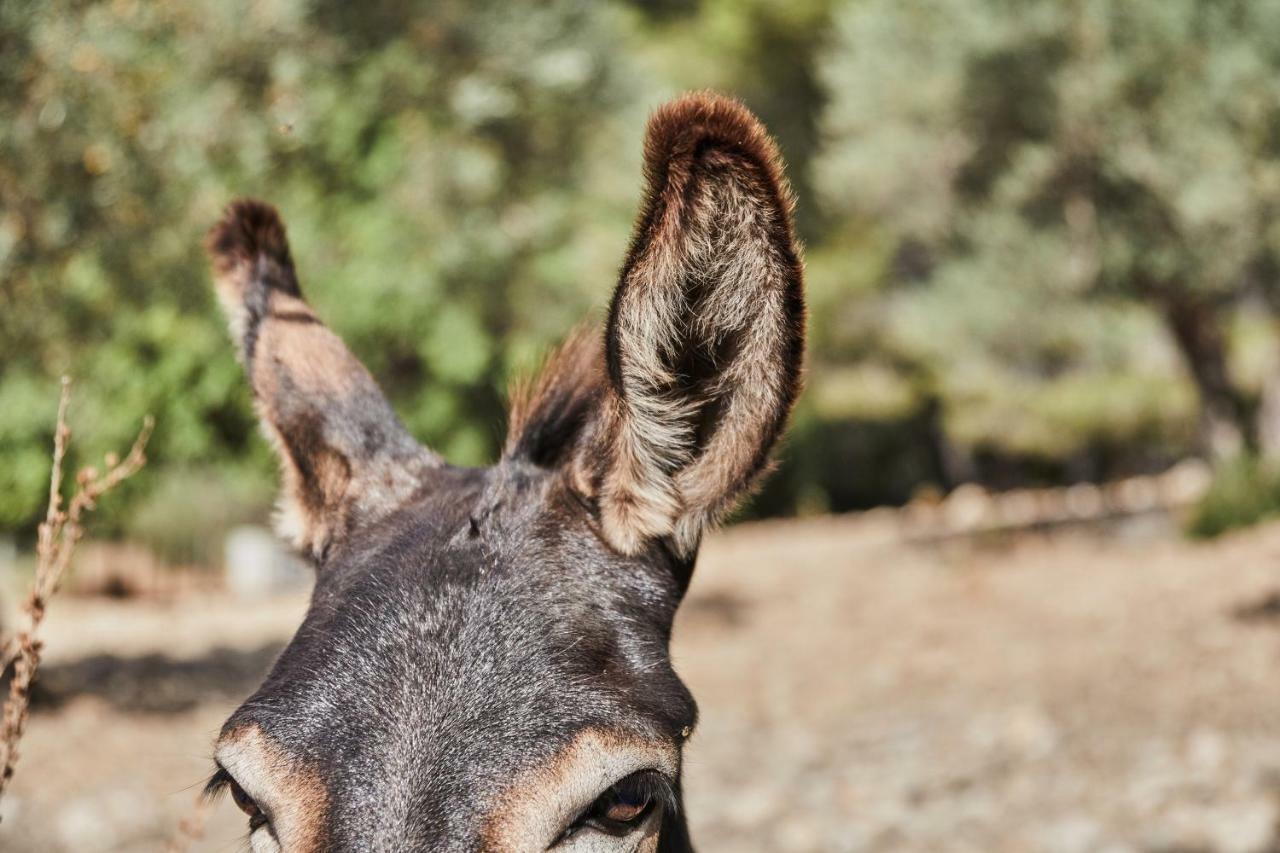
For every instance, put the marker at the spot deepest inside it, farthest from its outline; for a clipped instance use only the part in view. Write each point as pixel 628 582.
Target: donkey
pixel 484 664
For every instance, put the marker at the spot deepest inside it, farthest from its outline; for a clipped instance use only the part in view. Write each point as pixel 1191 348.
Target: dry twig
pixel 55 543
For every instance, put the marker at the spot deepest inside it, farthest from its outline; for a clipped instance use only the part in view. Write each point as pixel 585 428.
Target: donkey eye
pixel 246 804
pixel 622 808
pixel 625 807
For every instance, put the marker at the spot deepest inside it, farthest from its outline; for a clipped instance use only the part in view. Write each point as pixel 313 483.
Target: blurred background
pixel 1043 251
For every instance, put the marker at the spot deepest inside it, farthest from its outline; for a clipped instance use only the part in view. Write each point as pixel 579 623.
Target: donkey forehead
pixel 479 630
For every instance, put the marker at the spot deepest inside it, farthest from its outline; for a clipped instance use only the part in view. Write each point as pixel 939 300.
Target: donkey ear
pixel 705 337
pixel 346 459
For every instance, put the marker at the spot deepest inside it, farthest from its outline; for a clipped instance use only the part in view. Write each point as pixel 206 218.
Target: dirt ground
pixel 1073 691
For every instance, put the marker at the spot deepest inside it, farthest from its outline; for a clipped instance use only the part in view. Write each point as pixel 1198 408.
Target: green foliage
pixel 1003 203
pixel 1073 196
pixel 1244 491
pixel 1067 147
pixel 185 513
pixel 433 166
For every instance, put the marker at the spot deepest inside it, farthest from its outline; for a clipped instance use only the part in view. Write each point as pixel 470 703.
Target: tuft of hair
pixel 680 136
pixel 249 230
pixel 550 410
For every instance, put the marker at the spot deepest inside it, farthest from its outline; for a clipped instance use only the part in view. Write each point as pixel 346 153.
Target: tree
pixel 1024 157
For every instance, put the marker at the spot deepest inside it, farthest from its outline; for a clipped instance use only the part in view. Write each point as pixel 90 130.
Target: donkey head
pixel 484 665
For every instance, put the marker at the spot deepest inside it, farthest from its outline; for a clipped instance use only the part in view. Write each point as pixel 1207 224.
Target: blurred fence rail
pixel 971 509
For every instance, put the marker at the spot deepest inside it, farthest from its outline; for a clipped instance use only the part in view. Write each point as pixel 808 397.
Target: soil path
pixel 1064 692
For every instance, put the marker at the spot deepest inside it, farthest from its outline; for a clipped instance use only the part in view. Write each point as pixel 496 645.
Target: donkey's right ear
pixel 345 457
pixel 705 337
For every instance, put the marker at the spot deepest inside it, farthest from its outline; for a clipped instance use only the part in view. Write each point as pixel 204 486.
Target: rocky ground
pixel 1113 690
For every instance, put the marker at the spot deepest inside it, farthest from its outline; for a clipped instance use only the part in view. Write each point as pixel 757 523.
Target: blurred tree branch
pixel 57 539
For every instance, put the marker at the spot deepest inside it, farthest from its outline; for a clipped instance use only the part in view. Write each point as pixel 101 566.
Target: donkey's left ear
pixel 705 339
pixel 346 459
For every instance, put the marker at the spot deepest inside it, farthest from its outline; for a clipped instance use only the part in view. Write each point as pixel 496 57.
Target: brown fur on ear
pixel 346 458
pixel 686 129
pixel 550 412
pixel 249 229
pixel 705 338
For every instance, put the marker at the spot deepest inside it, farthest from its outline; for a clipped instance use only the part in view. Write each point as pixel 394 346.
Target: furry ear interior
pixel 346 458
pixel 705 337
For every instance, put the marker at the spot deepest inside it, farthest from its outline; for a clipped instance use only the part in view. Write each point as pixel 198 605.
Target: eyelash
pixel 217 783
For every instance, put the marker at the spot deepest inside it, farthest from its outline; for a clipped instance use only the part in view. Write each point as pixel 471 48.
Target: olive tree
pixel 1041 166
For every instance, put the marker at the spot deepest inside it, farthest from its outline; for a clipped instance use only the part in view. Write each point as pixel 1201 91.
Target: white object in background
pixel 257 563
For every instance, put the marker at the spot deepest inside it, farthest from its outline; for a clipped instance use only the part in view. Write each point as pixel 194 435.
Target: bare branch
pixel 55 543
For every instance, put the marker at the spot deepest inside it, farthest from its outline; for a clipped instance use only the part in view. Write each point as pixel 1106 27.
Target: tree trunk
pixel 1267 424
pixel 953 464
pixel 1225 427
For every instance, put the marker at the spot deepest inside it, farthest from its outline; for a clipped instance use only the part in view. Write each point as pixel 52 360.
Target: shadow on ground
pixel 153 683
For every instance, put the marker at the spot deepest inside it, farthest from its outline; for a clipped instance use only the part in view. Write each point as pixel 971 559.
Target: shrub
pixel 1245 490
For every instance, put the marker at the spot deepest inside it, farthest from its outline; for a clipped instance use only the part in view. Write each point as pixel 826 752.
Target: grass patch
pixel 1245 490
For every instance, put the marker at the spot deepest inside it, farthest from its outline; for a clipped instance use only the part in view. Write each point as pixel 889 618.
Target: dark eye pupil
pixel 623 810
pixel 623 803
